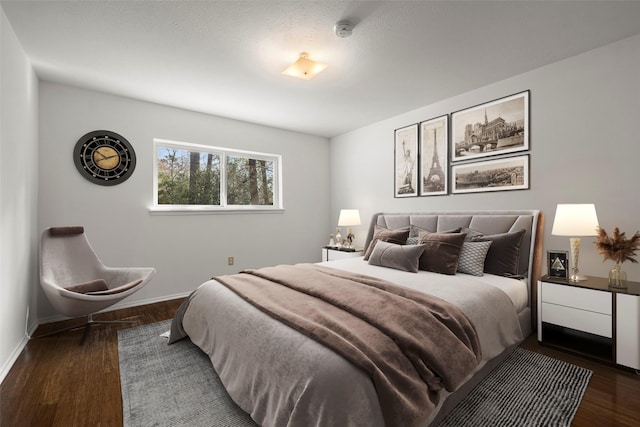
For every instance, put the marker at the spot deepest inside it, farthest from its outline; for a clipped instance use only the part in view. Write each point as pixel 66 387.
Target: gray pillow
pixel 472 257
pixel 471 233
pixel 398 237
pixel 412 240
pixel 414 231
pixel 399 257
pixel 442 252
pixel 503 257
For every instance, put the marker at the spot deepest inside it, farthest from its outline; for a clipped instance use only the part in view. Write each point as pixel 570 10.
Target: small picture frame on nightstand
pixel 558 264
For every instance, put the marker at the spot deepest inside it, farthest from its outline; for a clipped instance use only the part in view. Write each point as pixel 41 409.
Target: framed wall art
pixel 433 156
pixel 510 173
pixel 496 127
pixel 406 161
pixel 558 264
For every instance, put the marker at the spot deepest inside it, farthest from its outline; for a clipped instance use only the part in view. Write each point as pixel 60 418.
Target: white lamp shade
pixel 304 68
pixel 349 217
pixel 575 220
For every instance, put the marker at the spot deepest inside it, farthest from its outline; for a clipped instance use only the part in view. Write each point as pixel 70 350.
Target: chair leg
pixel 57 331
pixel 87 327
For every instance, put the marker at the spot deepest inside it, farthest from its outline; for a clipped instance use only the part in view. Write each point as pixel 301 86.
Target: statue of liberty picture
pixel 406 161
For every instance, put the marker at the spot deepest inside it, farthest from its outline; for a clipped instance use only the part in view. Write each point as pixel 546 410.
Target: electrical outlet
pixel 230 260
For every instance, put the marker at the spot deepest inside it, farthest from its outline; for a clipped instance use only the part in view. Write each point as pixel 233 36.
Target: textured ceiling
pixel 226 57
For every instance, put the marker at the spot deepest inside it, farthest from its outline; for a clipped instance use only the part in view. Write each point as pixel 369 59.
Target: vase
pixel 617 277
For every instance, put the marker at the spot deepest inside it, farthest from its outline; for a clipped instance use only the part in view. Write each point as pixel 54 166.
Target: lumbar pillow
pixel 117 289
pixel 503 257
pixel 400 257
pixel 97 285
pixel 472 257
pixel 398 237
pixel 441 252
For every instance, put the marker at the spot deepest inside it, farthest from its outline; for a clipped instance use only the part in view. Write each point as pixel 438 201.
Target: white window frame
pixel 277 205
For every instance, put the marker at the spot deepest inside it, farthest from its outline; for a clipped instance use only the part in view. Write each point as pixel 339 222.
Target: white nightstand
pixel 333 253
pixel 590 318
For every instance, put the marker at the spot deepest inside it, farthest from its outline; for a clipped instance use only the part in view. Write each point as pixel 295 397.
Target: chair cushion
pixel 98 285
pixel 118 289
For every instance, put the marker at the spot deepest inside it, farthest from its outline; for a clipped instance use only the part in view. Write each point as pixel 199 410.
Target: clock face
pixel 104 157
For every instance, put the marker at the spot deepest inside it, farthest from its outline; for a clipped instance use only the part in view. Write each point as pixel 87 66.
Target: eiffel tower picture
pixel 435 181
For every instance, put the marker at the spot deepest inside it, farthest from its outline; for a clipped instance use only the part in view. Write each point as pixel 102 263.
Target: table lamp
pixel 575 220
pixel 349 218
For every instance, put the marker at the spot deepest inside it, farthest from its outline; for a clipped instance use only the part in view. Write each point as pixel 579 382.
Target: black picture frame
pixel 558 264
pixel 406 161
pixel 502 174
pixel 434 159
pixel 493 128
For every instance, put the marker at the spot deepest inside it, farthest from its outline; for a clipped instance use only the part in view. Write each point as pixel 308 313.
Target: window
pixel 190 177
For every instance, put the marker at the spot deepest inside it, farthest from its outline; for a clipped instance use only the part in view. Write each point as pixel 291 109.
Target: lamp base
pixel 577 278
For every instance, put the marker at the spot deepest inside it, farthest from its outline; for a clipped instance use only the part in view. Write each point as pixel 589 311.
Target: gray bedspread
pixel 411 344
pixel 283 378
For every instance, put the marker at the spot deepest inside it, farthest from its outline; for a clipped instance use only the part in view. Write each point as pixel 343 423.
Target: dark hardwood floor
pixel 57 382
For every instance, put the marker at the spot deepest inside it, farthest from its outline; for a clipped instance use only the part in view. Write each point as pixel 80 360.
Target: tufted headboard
pixel 487 222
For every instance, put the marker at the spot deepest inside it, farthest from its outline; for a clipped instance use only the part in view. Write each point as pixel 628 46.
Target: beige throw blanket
pixel 410 343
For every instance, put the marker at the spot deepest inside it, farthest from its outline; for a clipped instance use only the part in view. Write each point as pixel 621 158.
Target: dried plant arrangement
pixel 617 247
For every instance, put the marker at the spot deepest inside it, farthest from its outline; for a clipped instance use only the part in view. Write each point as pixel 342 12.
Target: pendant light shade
pixel 304 68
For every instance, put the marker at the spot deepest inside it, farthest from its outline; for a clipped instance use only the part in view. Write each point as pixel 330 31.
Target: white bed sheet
pixel 516 289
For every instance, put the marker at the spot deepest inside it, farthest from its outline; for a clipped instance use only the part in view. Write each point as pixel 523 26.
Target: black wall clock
pixel 104 157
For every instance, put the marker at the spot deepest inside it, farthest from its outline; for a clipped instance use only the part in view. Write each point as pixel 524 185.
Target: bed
pixel 280 376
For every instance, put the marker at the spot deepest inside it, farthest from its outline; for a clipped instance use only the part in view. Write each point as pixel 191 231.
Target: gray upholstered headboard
pixel 487 222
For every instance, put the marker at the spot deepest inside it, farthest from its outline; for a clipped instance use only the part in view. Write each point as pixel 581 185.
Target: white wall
pixel 585 147
pixel 186 250
pixel 18 194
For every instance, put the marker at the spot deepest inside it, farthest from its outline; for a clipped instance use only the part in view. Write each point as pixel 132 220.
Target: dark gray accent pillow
pixel 503 257
pixel 398 237
pixel 441 252
pixel 88 287
pixel 399 257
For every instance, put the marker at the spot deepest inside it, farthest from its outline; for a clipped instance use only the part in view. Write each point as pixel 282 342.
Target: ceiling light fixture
pixel 304 68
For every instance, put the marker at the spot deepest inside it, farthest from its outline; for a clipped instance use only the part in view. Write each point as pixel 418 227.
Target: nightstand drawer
pixel 579 298
pixel 581 320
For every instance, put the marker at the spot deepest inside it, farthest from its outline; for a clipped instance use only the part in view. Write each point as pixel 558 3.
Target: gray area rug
pixel 176 385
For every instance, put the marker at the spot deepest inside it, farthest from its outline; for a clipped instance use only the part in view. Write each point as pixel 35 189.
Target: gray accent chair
pixel 77 283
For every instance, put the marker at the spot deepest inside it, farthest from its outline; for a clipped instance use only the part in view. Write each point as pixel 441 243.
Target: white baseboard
pixel 12 358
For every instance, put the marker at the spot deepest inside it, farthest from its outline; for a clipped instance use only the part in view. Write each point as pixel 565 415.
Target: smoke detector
pixel 343 29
